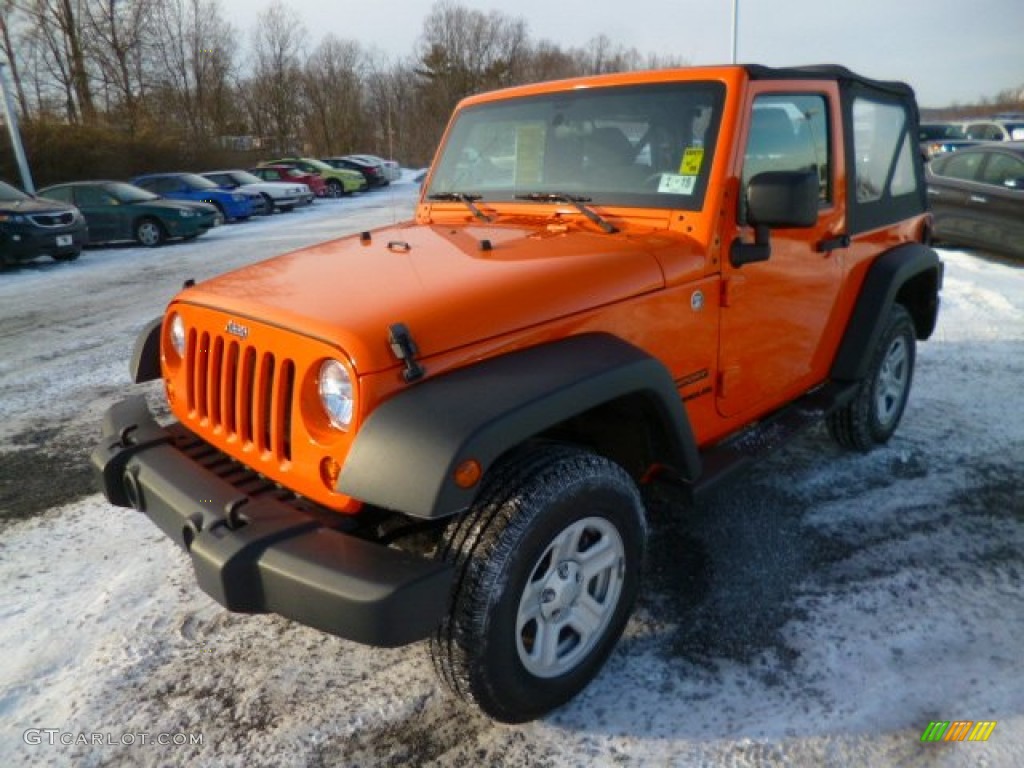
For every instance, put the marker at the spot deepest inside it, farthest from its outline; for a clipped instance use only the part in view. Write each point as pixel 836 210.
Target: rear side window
pixel 886 174
pixel 884 152
pixel 1001 169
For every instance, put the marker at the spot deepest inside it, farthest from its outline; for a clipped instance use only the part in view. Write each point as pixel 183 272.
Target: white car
pixel 280 195
pixel 392 170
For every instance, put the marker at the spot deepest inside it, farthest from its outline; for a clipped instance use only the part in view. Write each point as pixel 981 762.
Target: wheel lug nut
pixel 563 570
pixel 547 596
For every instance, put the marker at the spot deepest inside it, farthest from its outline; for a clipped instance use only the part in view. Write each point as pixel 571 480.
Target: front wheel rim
pixel 570 597
pixel 893 378
pixel 149 234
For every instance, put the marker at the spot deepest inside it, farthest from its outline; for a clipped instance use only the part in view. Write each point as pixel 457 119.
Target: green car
pixel 340 181
pixel 118 211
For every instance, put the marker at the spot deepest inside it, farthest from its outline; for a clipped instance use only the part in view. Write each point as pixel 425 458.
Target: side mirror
pixel 776 200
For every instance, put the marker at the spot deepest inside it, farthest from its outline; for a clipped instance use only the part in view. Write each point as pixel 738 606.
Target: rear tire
pixel 335 188
pixel 872 416
pixel 547 564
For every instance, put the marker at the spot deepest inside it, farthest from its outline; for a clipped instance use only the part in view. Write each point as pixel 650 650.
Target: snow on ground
pixel 821 612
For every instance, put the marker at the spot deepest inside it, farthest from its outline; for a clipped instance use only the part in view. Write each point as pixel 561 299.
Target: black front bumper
pixel 255 553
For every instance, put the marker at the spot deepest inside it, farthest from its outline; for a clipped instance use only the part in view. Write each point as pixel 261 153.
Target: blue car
pixel 233 206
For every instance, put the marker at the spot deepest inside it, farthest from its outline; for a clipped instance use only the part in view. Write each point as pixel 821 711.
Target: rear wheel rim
pixel 893 378
pixel 570 597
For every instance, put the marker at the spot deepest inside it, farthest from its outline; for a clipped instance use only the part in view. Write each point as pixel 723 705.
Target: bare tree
pixel 8 19
pixel 462 51
pixel 58 24
pixel 334 95
pixel 196 54
pixel 118 36
pixel 274 89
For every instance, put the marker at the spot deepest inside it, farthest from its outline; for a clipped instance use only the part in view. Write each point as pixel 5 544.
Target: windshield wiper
pixel 574 200
pixel 463 198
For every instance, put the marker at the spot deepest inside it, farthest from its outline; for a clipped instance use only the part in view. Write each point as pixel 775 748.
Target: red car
pixel 285 173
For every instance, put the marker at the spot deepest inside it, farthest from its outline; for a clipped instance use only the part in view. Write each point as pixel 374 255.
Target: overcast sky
pixel 949 51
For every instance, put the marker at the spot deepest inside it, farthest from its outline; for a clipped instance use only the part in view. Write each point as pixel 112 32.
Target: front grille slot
pixel 240 393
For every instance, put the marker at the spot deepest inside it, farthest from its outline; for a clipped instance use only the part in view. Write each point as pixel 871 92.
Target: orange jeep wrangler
pixel 438 429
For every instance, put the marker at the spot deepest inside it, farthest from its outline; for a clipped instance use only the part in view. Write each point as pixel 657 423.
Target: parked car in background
pixel 287 174
pixel 392 170
pixel 977 196
pixel 936 138
pixel 236 206
pixel 340 181
pixel 31 227
pixel 995 130
pixel 373 173
pixel 119 211
pixel 282 196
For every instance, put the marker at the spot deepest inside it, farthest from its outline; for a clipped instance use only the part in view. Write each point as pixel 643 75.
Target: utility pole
pixel 11 116
pixel 735 27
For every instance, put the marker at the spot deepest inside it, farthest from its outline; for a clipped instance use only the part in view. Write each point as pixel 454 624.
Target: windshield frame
pixel 674 120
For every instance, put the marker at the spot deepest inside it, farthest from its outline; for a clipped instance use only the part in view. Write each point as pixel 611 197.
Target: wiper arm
pixel 574 200
pixel 463 198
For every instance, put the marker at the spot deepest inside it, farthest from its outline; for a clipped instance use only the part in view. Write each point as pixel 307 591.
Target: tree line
pixel 108 88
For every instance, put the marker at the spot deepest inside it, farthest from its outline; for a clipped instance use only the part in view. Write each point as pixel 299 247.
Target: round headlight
pixel 336 393
pixel 178 335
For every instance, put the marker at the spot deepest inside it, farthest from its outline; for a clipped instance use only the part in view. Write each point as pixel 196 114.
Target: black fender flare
pixel 887 281
pixel 145 365
pixel 406 452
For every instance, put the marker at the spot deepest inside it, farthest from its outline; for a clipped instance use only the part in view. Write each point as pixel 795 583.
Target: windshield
pixel 318 164
pixel 197 182
pixel 9 194
pixel 129 193
pixel 649 146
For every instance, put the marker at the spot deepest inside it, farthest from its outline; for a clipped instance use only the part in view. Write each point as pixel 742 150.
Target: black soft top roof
pixel 828 72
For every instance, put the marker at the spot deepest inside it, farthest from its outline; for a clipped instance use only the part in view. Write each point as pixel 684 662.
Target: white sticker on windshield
pixel 674 184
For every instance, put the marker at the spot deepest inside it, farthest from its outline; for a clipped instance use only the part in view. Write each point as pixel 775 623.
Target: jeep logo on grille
pixel 237 329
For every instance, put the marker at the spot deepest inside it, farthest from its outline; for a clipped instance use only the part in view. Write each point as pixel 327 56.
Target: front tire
pixel 872 416
pixel 548 561
pixel 149 233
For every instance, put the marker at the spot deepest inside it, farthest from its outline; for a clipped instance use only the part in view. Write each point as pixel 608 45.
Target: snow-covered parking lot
pixel 820 612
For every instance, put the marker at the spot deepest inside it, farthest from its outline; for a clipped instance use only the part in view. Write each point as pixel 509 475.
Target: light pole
pixel 11 117
pixel 735 27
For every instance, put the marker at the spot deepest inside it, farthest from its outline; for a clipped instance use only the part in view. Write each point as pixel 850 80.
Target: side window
pixel 1001 169
pixel 91 196
pixel 789 132
pixel 963 166
pixel 883 151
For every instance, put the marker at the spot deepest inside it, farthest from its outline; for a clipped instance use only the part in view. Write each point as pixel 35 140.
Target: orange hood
pixel 442 282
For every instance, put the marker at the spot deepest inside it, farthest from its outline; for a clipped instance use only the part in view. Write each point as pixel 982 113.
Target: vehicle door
pixel 103 213
pixel 999 201
pixel 954 195
pixel 776 313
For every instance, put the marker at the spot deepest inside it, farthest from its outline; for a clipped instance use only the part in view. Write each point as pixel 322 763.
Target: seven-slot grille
pixel 239 392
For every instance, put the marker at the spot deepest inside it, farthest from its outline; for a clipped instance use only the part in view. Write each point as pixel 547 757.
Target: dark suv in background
pixel 31 227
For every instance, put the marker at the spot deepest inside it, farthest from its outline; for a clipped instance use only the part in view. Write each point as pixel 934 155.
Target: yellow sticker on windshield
pixel 693 157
